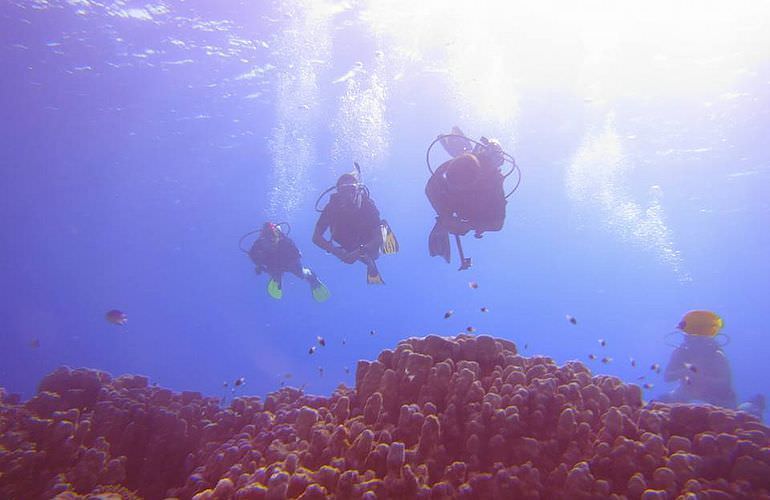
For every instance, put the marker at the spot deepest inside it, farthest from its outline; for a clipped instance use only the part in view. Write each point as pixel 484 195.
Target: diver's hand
pixel 454 224
pixel 350 257
pixel 343 255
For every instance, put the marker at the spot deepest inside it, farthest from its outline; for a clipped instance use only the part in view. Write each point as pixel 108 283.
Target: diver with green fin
pixel 275 253
pixel 467 191
pixel 354 224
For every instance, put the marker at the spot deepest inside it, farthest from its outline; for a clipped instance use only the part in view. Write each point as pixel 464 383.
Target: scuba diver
pixel 354 224
pixel 699 364
pixel 467 191
pixel 275 253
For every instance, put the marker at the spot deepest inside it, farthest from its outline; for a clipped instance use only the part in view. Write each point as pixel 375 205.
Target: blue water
pixel 140 141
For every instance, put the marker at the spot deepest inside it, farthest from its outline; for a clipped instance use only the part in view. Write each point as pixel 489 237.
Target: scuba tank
pixel 480 147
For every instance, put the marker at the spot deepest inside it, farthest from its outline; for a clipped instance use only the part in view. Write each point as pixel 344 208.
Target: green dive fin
pixel 274 289
pixel 389 241
pixel 321 293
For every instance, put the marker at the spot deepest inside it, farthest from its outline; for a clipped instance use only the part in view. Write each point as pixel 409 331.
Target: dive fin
pixel 438 242
pixel 389 242
pixel 321 293
pixel 274 289
pixel 373 275
pixel 319 290
pixel 455 143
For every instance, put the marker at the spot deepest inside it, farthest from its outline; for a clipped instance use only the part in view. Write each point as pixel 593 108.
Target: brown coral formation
pixel 434 418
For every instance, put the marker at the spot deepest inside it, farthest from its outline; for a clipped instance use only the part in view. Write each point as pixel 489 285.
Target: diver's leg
pixel 317 288
pixel 274 286
pixel 372 273
pixel 297 269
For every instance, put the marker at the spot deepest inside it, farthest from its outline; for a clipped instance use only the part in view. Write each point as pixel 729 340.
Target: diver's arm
pixel 318 236
pixel 258 255
pixel 318 233
pixel 437 191
pixel 675 370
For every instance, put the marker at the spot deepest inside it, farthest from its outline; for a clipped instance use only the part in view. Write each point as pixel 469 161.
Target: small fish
pixel 239 381
pixel 372 332
pixel 641 377
pixel 321 341
pixel 691 367
pixel 526 346
pixel 633 362
pixel 687 380
pixel 571 319
pixel 470 329
pixel 224 384
pixel 116 317
pixel 320 371
pixel 34 343
pixel 473 284
pixel 287 375
pixel 484 309
pixel 347 370
pixel 606 360
pixel 648 386
pixel 311 350
pixel 448 314
pixel 602 342
pixel 655 367
pixel 344 341
pixel 592 357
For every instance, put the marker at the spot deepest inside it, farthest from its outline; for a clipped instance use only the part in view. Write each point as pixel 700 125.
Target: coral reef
pixel 434 418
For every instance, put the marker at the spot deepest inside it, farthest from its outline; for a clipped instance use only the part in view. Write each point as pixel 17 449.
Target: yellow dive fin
pixel 389 242
pixel 374 279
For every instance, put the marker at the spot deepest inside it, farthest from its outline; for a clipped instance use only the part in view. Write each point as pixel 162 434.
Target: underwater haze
pixel 140 141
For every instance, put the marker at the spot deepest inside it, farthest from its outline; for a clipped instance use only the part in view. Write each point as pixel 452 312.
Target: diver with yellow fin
pixel 467 191
pixel 354 224
pixel 275 253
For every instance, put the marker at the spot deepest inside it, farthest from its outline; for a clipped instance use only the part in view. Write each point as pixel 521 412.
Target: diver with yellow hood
pixel 699 364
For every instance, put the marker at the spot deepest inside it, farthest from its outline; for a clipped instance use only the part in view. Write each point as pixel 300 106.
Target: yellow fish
pixel 703 323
